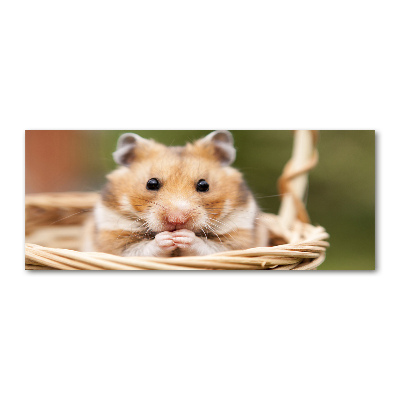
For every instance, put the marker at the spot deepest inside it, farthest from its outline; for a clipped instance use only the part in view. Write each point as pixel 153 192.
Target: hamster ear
pixel 222 142
pixel 125 153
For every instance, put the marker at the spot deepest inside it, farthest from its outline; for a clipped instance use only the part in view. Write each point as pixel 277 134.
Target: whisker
pixel 226 225
pixel 212 230
pixel 69 216
pixel 274 195
pixel 205 234
pixel 149 201
pixel 227 233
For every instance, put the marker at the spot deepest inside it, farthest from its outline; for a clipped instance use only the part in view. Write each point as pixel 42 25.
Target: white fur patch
pixel 227 208
pixel 110 220
pixel 203 247
pixel 240 219
pixel 126 205
pixel 182 205
pixel 244 219
pixel 143 249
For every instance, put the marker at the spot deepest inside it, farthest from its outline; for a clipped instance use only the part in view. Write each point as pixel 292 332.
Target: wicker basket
pixel 54 222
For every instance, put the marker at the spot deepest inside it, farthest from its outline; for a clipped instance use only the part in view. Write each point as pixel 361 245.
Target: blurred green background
pixel 341 194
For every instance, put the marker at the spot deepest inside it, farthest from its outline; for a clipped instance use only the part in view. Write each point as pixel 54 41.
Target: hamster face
pixel 174 201
pixel 171 188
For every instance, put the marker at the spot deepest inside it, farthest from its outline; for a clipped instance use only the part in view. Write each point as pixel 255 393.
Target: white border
pixel 209 65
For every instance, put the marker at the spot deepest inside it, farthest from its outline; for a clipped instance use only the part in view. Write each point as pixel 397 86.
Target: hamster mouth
pixel 175 227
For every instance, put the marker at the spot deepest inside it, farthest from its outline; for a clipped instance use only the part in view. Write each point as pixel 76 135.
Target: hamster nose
pixel 177 217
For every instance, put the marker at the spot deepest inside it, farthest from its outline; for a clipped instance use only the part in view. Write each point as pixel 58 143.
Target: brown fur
pixel 115 242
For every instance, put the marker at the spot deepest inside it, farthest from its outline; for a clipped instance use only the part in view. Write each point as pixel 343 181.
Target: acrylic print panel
pixel 195 200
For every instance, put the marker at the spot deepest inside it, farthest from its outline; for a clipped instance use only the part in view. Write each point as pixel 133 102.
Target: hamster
pixel 175 201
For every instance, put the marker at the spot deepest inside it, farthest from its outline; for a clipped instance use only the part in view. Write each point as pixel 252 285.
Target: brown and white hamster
pixel 175 201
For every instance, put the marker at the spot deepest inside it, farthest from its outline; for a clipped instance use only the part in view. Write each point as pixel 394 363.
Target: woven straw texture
pixel 54 231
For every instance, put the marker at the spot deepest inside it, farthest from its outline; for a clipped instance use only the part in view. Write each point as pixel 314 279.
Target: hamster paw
pixel 184 238
pixel 165 243
pixel 191 245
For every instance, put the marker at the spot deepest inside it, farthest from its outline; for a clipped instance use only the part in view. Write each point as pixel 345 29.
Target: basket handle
pixel 294 180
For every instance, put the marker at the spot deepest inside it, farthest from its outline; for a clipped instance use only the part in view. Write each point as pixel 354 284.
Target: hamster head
pixel 169 188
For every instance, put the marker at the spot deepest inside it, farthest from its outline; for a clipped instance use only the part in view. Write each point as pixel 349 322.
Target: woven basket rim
pixel 308 252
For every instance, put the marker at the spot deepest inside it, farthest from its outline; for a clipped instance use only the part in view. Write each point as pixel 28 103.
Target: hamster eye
pixel 202 186
pixel 153 184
